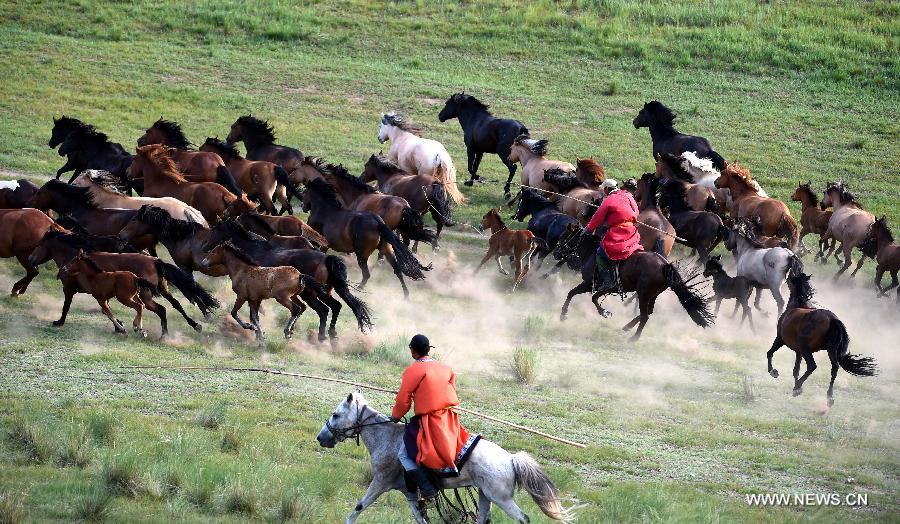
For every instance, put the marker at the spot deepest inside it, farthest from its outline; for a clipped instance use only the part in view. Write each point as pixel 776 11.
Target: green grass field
pixel 680 426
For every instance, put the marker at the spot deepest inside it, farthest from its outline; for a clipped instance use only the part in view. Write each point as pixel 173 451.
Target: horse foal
pixel 517 244
pixel 726 286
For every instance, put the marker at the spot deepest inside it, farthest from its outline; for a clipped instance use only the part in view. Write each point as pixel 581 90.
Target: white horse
pixel 765 267
pixel 705 174
pixel 494 471
pixel 417 155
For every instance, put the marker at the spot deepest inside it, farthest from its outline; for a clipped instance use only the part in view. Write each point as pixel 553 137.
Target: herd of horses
pixel 214 210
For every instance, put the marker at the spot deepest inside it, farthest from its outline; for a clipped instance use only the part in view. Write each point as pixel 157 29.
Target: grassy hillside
pixel 680 426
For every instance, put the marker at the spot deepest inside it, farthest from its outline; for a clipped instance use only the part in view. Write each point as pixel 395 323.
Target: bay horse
pixel 763 240
pixel 358 232
pixel 154 165
pixel 423 193
pixel 287 226
pixel 806 329
pixel 850 224
pixel 21 231
pixel 62 247
pixel 646 273
pixel 259 138
pixel 547 222
pixel 886 255
pixel 517 244
pixel 183 240
pixel 124 286
pixel 253 222
pixel 590 172
pixel 16 194
pixel 483 133
pixel 260 179
pixel 87 148
pixel 530 153
pixel 653 240
pixel 104 193
pixel 196 166
pixel 726 286
pixel 666 139
pixel 252 284
pixel 701 230
pixel 775 214
pixel 76 204
pixel 417 155
pixel 357 195
pixel 329 270
pixel 493 470
pixel 812 219
pixel 578 204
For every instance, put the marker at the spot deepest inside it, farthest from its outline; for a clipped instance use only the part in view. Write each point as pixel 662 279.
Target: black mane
pixel 90 243
pixel 240 253
pixel 565 181
pixel 806 188
pixel 539 147
pixel 401 121
pixel 174 134
pixel 661 113
pixel 68 122
pixel 257 219
pixel 469 101
pixel 674 164
pixel 76 195
pixel 383 163
pixel 326 192
pixel 259 128
pixel 87 134
pixel 338 171
pixel 235 229
pixel 802 291
pixel 230 150
pixel 166 227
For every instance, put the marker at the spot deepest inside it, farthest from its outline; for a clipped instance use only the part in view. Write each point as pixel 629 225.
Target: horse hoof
pixel 57 323
pixel 141 333
pixel 774 373
pixel 198 328
pixel 634 338
pixel 606 314
pixel 830 401
pixel 797 392
pixel 468 183
pixel 562 318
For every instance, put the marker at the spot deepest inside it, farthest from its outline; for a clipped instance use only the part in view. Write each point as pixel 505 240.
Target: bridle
pixel 353 431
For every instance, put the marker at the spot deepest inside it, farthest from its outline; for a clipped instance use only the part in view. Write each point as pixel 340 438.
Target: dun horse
pixel 530 153
pixel 21 231
pixel 254 223
pixel 812 219
pixel 850 224
pixel 667 139
pixel 517 244
pixel 887 255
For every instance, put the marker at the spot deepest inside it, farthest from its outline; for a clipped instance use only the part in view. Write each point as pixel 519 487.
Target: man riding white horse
pixel 434 437
pixel 620 238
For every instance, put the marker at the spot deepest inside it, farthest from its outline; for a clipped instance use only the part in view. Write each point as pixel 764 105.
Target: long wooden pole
pixel 595 205
pixel 359 385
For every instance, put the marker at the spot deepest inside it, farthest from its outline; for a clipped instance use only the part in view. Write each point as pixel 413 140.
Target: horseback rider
pixel 615 219
pixel 434 437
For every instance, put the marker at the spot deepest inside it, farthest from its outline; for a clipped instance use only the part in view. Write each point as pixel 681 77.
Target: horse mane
pixel 91 263
pixel 663 114
pixel 174 134
pixel 383 163
pixel 882 225
pixel 740 173
pixel 565 181
pixel 81 195
pixel 257 219
pixel 399 120
pixel 75 240
pixel 230 150
pixel 653 186
pixel 88 134
pixel 538 147
pixel 68 121
pixel 590 169
pixel 714 265
pixel 812 194
pixel 158 154
pixel 165 224
pixel 236 229
pixel 261 128
pixel 337 171
pixel 326 192
pixel 697 166
pixel 240 253
pixel 471 102
pixel 103 181
pixel 676 168
pixel 847 198
pixel 802 291
pixel 536 196
pixel 678 189
pixel 743 226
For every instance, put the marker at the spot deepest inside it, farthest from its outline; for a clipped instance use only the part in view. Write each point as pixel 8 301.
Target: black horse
pixel 667 139
pixel 483 133
pixel 62 126
pixel 701 230
pixel 547 222
pixel 727 286
pixel 87 148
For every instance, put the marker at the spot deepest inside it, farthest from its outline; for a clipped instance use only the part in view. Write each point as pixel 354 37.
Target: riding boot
pixel 604 276
pixel 426 488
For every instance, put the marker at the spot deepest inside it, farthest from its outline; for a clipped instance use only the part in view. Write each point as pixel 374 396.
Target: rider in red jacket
pixel 620 237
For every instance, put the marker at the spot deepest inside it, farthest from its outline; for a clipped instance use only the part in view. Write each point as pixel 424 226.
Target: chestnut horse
pixel 775 214
pixel 289 226
pixel 850 224
pixel 812 219
pixel 21 231
pixel 196 166
pixel 254 223
pixel 530 153
pixel 887 255
pixel 161 177
pixel 590 172
pixel 517 244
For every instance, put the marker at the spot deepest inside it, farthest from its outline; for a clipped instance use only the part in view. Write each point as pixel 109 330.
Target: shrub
pixel 239 500
pixel 75 449
pixel 524 365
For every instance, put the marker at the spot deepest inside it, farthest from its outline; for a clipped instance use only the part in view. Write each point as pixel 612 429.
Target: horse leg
pixel 509 506
pixel 733 313
pixel 834 370
pixel 296 309
pixel 157 309
pixel 335 306
pixel 890 286
pixel 164 291
pixel 364 267
pixel 879 274
pixel 595 298
pixel 414 509
pixel 646 309
pixel 392 260
pixel 238 304
pixel 848 252
pixel 858 265
pixel 30 272
pixel 776 345
pixel 68 292
pixel 776 294
pixel 321 309
pixel 135 303
pixel 520 270
pixel 376 488
pixel 487 256
pixel 254 318
pixel 484 508
pixel 759 290
pixel 104 307
pixel 472 161
pixel 504 157
pixel 803 249
pixel 810 367
pixel 584 287
pixel 500 266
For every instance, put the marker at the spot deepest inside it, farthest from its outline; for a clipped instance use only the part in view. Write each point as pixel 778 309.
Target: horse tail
pixel 837 341
pixel 282 177
pixel 412 227
pixel 337 279
pixel 445 171
pixel 226 179
pixel 184 282
pixel 192 214
pixel 530 476
pixel 441 204
pixel 407 262
pixel 149 286
pixel 717 160
pixel 788 229
pixel 692 300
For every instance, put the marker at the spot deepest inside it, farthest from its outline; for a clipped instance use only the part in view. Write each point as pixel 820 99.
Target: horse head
pixel 345 421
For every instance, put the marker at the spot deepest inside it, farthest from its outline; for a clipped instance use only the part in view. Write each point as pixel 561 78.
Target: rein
pixel 504 228
pixel 353 432
pixel 432 207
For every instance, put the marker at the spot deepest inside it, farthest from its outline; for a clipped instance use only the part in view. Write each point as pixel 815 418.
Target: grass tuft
pixel 239 500
pixel 200 496
pixel 211 417
pixel 91 504
pixel 31 439
pixel 231 441
pixel 171 483
pixel 120 478
pixel 12 510
pixel 535 327
pixel 296 508
pixel 612 89
pixel 75 450
pixel 103 429
pixel 394 351
pixel 524 365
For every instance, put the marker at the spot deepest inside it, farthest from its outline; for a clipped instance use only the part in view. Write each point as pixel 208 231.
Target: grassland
pixel 680 427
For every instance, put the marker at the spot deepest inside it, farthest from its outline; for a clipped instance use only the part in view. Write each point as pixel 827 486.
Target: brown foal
pixel 517 244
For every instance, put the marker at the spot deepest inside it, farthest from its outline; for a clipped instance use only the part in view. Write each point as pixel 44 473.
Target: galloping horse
pixel 21 231
pixel 260 179
pixel 579 204
pixel 290 226
pixel 493 470
pixel 517 244
pixel 16 194
pixel 359 196
pixel 887 255
pixel 667 139
pixel 812 219
pixel 775 214
pixel 590 172
pixel 358 232
pixel 701 230
pixel 423 193
pixel 259 138
pixel 850 223
pixel 547 222
pixel 530 153
pixel 183 240
pixel 650 213
pixel 87 148
pixel 161 177
pixel 726 286
pixel 62 126
pixel 483 133
pixel 699 197
pixel 647 273
pixel 253 222
pixel 807 329
pixel 417 155
pixel 196 166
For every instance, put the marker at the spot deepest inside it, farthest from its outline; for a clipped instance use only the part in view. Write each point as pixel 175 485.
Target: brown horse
pixel 578 199
pixel 124 286
pixel 359 196
pixel 756 226
pixel 886 254
pixel 648 203
pixel 16 194
pixel 259 137
pixel 254 223
pixel 698 196
pixel 590 172
pixel 21 231
pixel 161 177
pixel 775 214
pixel 530 153
pixel 813 219
pixel 850 224
pixel 253 284
pixel 260 179
pixel 517 244
pixel 807 329
pixel 196 166
pixel 358 232
pixel 290 226
pixel 423 193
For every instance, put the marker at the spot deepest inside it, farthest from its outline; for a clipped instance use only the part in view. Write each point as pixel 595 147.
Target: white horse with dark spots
pixel 495 472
